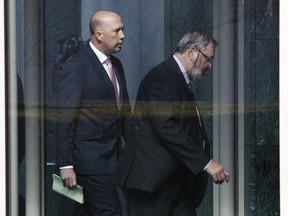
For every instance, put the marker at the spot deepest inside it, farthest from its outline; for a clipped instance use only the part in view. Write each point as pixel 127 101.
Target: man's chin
pixel 118 49
pixel 201 76
pixel 198 76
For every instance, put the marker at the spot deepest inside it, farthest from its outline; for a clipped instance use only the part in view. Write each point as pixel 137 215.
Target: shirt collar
pixel 101 56
pixel 184 72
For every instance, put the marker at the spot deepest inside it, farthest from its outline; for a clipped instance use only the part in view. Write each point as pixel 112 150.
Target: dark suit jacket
pixel 21 120
pixel 89 125
pixel 165 134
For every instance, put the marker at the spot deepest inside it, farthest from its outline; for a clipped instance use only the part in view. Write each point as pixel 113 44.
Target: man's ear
pixel 192 49
pixel 191 52
pixel 98 35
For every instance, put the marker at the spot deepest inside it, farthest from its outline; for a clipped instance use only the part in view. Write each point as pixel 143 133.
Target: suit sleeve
pixel 166 107
pixel 68 103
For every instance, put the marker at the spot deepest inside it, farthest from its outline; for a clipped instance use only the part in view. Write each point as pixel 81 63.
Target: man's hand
pixel 68 177
pixel 218 172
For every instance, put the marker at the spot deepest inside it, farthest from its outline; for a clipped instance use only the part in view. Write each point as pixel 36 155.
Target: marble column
pixel 34 112
pixel 223 114
pixel 12 112
pixel 3 148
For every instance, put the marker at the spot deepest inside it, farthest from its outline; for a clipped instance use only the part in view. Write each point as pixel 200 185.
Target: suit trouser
pixel 100 195
pixel 172 199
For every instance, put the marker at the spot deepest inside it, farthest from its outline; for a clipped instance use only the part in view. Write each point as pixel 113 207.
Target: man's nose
pixel 122 35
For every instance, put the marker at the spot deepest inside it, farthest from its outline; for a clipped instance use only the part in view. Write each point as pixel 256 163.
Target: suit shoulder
pixel 164 70
pixel 78 58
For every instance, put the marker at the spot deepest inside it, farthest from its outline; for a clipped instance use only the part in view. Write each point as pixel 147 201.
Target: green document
pixel 75 194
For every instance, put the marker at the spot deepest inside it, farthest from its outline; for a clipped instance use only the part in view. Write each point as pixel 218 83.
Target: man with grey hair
pixel 166 161
pixel 93 106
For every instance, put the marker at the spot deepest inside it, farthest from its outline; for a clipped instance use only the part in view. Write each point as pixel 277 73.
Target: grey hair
pixel 197 38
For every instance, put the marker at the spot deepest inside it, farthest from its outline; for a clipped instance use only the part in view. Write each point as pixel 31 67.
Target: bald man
pixel 93 104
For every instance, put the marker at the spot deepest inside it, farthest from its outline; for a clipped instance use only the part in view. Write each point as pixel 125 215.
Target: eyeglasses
pixel 208 59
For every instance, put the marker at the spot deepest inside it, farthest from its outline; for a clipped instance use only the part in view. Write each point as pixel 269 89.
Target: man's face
pixel 204 61
pixel 112 35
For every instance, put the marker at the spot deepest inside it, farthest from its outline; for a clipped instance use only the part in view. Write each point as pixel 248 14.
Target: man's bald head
pixel 107 34
pixel 99 18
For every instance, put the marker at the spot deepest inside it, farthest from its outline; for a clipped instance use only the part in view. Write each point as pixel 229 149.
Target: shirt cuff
pixel 207 165
pixel 66 167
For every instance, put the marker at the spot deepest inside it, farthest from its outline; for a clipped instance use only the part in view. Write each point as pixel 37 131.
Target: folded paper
pixel 75 194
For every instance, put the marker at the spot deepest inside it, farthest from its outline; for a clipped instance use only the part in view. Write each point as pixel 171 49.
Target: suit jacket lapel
pixel 190 96
pixel 100 70
pixel 177 70
pixel 121 81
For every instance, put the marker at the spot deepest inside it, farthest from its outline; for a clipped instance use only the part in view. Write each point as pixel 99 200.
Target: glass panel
pixel 62 20
pixel 43 28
